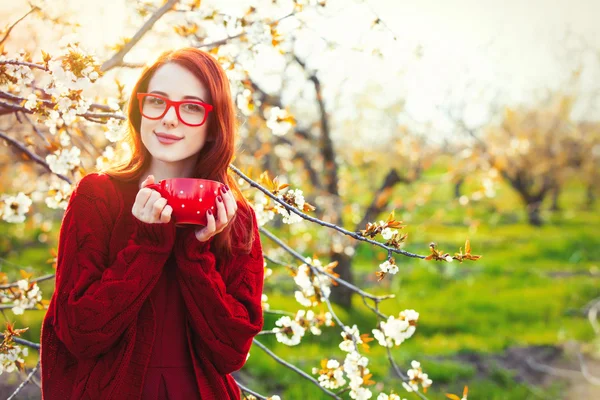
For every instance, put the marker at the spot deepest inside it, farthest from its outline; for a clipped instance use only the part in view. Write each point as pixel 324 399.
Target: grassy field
pixel 527 290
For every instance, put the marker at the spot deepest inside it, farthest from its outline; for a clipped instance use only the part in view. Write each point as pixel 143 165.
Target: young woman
pixel 143 309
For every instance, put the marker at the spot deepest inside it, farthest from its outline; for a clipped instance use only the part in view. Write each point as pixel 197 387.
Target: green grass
pixel 507 298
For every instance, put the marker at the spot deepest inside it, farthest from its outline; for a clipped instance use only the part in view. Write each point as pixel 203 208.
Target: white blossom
pixel 347 344
pixel 15 208
pixel 9 359
pixel 290 332
pixel 307 296
pixel 416 376
pixel 58 195
pixel 63 161
pixel 279 121
pixel 263 300
pixel 262 216
pixel 388 233
pixel 106 158
pixel 388 267
pixel 288 216
pixel 31 101
pixel 396 330
pixel 115 130
pixel 392 396
pixel 333 375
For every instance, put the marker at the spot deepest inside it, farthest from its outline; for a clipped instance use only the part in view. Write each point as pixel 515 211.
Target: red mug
pixel 190 198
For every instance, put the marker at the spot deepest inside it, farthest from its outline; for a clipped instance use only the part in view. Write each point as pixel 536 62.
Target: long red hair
pixel 218 150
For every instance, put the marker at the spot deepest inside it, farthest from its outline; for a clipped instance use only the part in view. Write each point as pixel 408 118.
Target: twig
pixel 318 221
pixel 586 373
pixel 252 392
pixel 31 155
pixel 40 279
pixel 339 280
pixel 34 8
pixel 294 368
pixel 24 63
pixel 23 342
pixel 24 383
pixel 118 57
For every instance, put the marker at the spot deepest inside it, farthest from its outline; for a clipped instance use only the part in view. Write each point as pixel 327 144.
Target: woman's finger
pixel 148 181
pixel 158 207
pixel 230 204
pixel 165 215
pixel 222 213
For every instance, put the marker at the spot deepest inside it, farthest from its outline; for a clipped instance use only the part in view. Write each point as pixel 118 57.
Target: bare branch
pixel 289 208
pixel 40 279
pixel 255 394
pixel 294 368
pixel 25 63
pixel 340 281
pixel 24 383
pixel 117 59
pixel 31 155
pixel 34 8
pixel 326 145
pixel 23 342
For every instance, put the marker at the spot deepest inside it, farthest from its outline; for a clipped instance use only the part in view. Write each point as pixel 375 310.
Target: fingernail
pixel 219 198
pixel 209 212
pixel 223 189
pixel 226 187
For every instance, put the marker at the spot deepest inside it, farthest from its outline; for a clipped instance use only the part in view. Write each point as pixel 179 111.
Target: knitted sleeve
pixel 96 302
pixel 224 305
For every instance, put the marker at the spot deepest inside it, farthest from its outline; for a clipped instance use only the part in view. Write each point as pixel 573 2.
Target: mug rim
pixel 190 179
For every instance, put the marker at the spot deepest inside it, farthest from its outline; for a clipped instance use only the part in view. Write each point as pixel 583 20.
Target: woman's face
pixel 176 83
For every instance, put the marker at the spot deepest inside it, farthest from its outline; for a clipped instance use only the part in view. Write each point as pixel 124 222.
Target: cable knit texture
pixel 98 333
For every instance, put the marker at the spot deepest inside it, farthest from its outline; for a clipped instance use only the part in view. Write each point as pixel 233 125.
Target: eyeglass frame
pixel 169 103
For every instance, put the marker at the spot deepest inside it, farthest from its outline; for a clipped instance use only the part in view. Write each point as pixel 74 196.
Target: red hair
pixel 218 150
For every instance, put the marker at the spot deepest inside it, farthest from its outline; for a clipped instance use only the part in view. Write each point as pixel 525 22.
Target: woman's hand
pixel 150 206
pixel 226 209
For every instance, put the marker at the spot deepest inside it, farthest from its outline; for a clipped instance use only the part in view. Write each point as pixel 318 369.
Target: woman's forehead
pixel 177 82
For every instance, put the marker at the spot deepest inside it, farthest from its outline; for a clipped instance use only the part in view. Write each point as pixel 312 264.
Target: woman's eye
pixel 195 108
pixel 155 101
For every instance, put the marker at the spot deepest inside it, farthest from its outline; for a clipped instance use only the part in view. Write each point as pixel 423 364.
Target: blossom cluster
pixel 13 76
pixel 416 376
pixel 314 288
pixel 290 331
pixel 59 193
pixel 28 295
pixel 64 160
pixel 279 121
pixel 12 360
pixel 295 198
pixel 263 214
pixel 397 330
pixel 14 208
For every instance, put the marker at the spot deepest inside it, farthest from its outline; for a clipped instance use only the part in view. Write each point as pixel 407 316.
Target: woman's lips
pixel 165 140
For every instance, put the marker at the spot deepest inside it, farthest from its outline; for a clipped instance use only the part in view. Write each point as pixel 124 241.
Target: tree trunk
pixel 555 194
pixel 590 196
pixel 341 295
pixel 533 213
pixel 457 185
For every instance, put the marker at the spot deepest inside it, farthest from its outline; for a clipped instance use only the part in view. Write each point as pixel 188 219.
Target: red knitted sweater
pixel 97 335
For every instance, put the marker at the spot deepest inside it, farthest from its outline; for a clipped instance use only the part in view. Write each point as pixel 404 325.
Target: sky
pixel 436 53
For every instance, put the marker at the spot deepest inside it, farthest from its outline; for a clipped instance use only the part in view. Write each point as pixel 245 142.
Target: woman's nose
pixel 170 117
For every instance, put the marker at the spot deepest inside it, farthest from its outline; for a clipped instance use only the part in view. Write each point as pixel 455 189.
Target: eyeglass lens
pixel 190 113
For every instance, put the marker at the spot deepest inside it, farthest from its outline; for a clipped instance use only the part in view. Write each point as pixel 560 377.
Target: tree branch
pixel 118 57
pixel 31 155
pixel 289 208
pixel 34 8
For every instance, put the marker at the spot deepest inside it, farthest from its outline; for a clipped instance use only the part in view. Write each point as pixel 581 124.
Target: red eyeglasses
pixel 190 112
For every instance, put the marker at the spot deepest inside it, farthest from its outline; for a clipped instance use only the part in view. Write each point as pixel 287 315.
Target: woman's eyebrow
pixel 185 97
